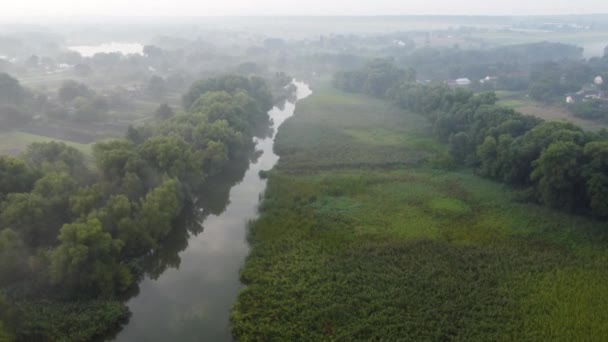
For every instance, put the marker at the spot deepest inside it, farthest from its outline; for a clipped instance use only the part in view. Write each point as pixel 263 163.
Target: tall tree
pixel 560 177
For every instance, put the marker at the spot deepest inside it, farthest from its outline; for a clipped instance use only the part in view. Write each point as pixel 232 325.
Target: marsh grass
pixel 348 249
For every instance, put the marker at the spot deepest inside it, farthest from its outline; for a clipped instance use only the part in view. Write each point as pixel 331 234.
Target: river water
pixel 191 293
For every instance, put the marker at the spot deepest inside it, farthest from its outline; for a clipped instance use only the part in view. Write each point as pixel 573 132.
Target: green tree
pixel 559 175
pixel 173 156
pixel 164 112
pixel 256 87
pixel 71 90
pixel 11 92
pixel 220 105
pixel 15 176
pixel 13 257
pixel 115 158
pixel 87 259
pixel 55 157
pixel 159 209
pixel 596 173
pixel 487 153
pixel 460 146
pixel 83 201
pixel 30 215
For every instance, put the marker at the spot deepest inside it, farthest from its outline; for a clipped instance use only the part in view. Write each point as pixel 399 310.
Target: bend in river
pixel 190 296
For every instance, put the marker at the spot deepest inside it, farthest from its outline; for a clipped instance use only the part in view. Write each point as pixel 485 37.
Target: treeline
pixel 16 103
pixel 452 63
pixel 74 101
pixel 557 164
pixel 546 71
pixel 550 81
pixel 73 232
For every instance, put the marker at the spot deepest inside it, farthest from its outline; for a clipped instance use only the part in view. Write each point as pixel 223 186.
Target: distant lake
pixel 124 48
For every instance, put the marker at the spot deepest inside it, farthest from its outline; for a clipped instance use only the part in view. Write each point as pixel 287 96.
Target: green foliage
pixel 174 157
pixel 55 157
pixel 85 200
pixel 597 175
pixel 15 176
pixel 71 90
pixel 11 92
pixel 75 321
pixel 87 259
pixel 164 112
pixel 160 208
pixel 13 263
pixel 116 158
pixel 559 175
pixel 30 215
pixel 255 86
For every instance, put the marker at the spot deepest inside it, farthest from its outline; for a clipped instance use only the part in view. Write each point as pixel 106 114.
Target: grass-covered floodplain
pixel 15 142
pixel 361 238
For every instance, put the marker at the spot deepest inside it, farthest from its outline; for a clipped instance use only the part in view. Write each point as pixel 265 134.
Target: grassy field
pixel 340 130
pixel 521 103
pixel 15 142
pixel 361 239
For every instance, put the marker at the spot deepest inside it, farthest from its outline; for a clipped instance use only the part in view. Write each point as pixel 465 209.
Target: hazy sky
pixel 12 8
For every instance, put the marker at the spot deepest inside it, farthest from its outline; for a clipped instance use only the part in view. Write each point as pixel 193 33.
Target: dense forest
pixel 557 164
pixel 75 233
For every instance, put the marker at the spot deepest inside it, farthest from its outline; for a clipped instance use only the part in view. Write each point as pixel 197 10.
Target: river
pixel 190 296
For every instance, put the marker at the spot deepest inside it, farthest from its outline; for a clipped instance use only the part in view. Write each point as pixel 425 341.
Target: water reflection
pixel 192 282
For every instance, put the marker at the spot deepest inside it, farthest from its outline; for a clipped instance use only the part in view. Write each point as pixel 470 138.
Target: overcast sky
pixel 17 8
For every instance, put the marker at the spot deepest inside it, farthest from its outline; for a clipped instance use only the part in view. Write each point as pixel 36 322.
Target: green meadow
pixel 363 236
pixel 14 142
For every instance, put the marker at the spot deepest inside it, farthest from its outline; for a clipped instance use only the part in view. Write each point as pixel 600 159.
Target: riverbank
pixel 362 236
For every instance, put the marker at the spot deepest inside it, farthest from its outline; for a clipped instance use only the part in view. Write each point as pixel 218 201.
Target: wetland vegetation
pixel 380 241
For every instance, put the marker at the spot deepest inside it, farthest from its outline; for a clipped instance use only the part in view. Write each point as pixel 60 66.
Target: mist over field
pixel 271 170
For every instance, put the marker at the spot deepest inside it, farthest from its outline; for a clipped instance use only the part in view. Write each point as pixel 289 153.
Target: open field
pixel 16 142
pixel 361 239
pixel 547 112
pixel 352 131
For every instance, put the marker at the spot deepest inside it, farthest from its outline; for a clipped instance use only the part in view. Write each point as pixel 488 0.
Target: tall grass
pixel 347 248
